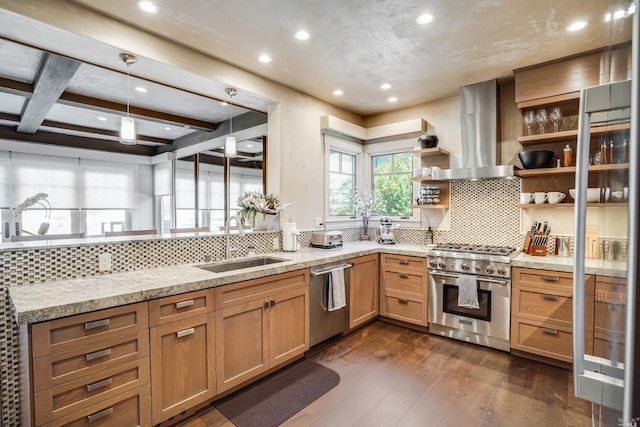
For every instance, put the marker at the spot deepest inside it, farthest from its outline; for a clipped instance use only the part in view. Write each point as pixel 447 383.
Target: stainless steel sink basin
pixel 240 264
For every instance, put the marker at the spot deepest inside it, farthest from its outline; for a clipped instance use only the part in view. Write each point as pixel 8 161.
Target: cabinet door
pixel 242 346
pixel 182 365
pixel 363 292
pixel 288 325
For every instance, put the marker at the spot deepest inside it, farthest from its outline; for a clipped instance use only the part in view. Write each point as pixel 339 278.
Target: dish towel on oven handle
pixel 467 291
pixel 334 285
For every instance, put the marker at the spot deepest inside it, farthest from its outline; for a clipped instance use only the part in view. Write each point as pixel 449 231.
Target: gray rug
pixel 274 399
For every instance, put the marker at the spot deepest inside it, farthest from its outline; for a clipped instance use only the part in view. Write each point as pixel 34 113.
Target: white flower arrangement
pixel 365 204
pixel 254 202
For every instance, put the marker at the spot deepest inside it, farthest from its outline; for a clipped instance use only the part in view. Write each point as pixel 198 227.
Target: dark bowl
pixel 536 159
pixel 428 141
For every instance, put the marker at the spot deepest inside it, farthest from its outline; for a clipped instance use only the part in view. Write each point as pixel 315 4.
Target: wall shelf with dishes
pixel 571 205
pixel 431 157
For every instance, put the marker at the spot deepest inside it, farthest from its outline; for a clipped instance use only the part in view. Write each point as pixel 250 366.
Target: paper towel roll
pixel 290 237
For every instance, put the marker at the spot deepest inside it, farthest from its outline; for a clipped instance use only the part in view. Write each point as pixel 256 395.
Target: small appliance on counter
pixel 387 235
pixel 290 237
pixel 326 239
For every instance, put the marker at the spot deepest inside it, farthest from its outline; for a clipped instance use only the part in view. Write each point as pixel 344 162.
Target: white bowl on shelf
pixel 593 194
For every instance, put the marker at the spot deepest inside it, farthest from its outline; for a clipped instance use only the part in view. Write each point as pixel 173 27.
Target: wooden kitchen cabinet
pixel 403 288
pixel 610 317
pixel 182 337
pixel 363 290
pixel 542 310
pixel 92 366
pixel 260 324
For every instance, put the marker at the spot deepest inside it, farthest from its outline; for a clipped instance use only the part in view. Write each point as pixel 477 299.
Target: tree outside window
pixel 342 182
pixel 391 175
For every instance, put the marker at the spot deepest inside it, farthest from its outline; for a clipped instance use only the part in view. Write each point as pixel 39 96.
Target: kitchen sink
pixel 240 264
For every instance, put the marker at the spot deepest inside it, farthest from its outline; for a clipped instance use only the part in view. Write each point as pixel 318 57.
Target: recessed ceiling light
pixel 392 99
pixel 141 89
pixel 249 145
pixel 338 92
pixel 167 128
pixel 578 25
pixel 102 119
pixel 187 127
pixel 264 58
pixel 224 103
pixel 302 35
pixel 147 6
pixel 385 86
pixel 425 18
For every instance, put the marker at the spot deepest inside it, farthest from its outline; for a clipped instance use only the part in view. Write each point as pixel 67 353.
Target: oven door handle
pixel 480 279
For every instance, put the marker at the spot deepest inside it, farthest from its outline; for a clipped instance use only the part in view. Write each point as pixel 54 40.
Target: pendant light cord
pixel 128 89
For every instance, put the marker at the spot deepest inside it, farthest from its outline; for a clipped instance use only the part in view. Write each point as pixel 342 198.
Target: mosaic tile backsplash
pixel 481 212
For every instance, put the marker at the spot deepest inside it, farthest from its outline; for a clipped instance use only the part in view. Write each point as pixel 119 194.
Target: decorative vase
pixel 266 222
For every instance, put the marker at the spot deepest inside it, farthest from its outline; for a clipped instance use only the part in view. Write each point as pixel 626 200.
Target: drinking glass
pixel 555 116
pixel 529 119
pixel 542 119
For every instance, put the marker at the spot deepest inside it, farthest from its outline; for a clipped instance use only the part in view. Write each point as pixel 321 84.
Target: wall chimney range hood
pixel 479 126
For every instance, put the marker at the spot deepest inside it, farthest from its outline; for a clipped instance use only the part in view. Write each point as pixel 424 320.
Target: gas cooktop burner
pixel 475 249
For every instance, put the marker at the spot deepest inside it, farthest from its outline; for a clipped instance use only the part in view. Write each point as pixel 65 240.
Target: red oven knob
pixel 441 264
pixel 464 266
pixel 490 269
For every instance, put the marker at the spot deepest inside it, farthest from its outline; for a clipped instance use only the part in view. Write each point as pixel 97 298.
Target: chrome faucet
pixel 228 249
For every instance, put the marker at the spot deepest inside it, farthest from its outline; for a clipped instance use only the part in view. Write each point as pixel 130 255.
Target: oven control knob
pixel 432 263
pixel 441 264
pixel 502 271
pixel 477 268
pixel 464 266
pixel 490 269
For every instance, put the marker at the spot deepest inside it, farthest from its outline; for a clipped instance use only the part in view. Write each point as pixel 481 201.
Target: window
pixel 391 180
pixel 342 181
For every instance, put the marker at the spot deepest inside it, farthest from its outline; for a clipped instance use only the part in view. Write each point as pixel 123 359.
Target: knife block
pixel 534 250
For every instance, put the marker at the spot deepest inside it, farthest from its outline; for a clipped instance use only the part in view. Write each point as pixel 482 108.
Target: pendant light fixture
pixel 230 147
pixel 127 124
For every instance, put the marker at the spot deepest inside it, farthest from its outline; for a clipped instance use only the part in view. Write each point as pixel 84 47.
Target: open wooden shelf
pixel 430 152
pixel 439 206
pixel 548 138
pixel 572 205
pixel 525 173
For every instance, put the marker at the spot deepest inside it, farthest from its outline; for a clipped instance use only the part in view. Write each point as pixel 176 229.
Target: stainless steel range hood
pixel 479 122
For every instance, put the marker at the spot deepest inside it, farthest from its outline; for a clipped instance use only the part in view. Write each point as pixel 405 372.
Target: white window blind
pixel 5 199
pixel 184 187
pixel 216 190
pixel 56 176
pixel 162 179
pixel 108 185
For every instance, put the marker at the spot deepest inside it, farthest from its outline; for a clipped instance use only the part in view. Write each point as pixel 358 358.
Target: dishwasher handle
pixel 315 273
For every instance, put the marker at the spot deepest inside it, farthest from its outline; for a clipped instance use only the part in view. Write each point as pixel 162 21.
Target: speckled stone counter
pixel 55 299
pixel 51 300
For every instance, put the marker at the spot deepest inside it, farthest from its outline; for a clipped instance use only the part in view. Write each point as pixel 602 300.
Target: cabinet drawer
pixel 251 290
pixel 603 345
pixel 178 307
pixel 70 397
pixel 609 317
pixel 408 283
pixel 548 280
pixel 75 331
pixel 542 339
pixel 542 306
pixel 400 262
pixel 404 309
pixel 129 409
pixel 56 369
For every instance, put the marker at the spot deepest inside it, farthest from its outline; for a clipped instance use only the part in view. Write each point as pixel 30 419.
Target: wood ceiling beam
pixel 58 139
pixel 15 87
pixel 53 76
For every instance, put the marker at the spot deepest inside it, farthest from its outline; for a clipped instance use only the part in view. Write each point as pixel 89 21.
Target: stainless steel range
pixel 487 325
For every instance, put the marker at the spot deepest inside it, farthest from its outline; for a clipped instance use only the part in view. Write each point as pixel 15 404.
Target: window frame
pixel 334 142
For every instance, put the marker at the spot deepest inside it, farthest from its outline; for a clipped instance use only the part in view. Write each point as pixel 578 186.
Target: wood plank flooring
pixel 393 376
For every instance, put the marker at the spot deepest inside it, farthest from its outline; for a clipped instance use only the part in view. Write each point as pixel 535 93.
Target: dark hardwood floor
pixel 393 376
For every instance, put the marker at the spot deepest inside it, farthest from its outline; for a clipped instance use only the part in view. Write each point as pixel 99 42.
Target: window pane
pixel 341 194
pixel 59 222
pixel 108 185
pixel 402 162
pixel 382 164
pixel 348 164
pixel 334 161
pixel 99 221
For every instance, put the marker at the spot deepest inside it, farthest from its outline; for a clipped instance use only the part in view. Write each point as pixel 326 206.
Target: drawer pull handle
pixel 185 332
pixel 404 261
pixel 95 417
pixel 272 303
pixel 404 276
pixel 99 384
pixel 183 304
pixel 550 331
pixel 266 304
pixel 96 324
pixel 550 278
pixel 550 297
pixel 403 301
pixel 98 354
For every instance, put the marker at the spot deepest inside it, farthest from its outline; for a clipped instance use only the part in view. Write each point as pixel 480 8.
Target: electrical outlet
pixel 318 221
pixel 276 243
pixel 432 221
pixel 104 262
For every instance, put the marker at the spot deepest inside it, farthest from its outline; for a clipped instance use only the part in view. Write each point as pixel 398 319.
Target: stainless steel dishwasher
pixel 324 324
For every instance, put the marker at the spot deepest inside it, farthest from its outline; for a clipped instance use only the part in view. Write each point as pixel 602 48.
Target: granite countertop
pixel 55 299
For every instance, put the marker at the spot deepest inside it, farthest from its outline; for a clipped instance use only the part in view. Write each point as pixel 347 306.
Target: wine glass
pixel 529 119
pixel 555 116
pixel 542 119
